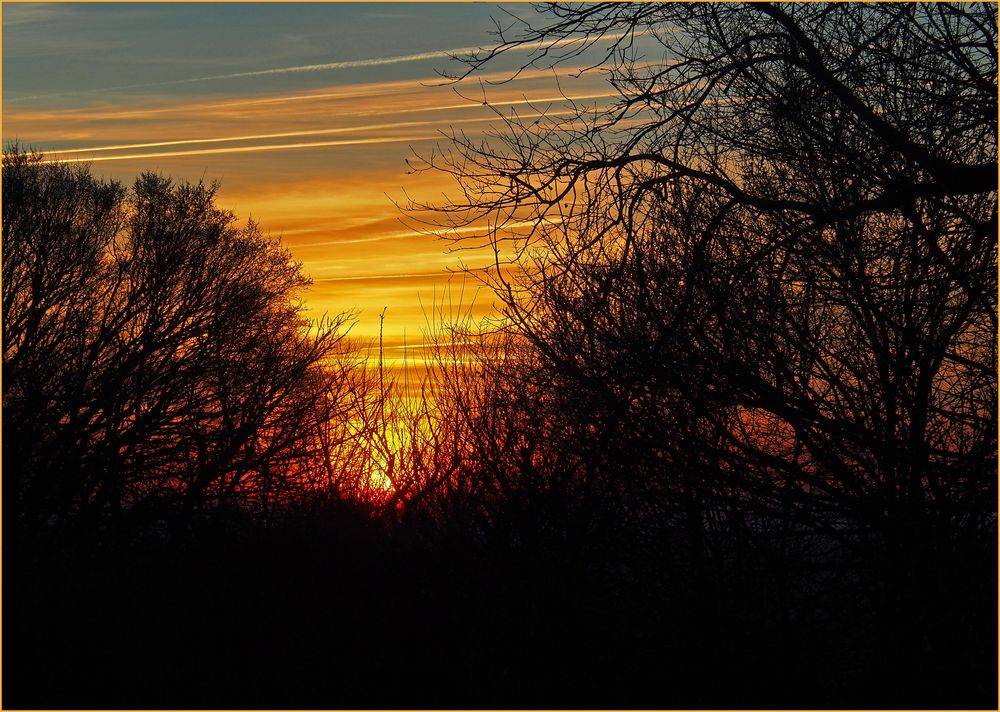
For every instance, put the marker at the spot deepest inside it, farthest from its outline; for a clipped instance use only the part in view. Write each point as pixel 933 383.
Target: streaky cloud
pixel 246 149
pixel 375 277
pixel 435 232
pixel 257 137
pixel 328 66
pixel 293 134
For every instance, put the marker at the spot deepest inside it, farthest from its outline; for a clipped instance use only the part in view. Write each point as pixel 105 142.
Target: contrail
pixel 258 137
pixel 244 149
pixel 329 66
pixel 318 132
pixel 350 91
pixel 515 102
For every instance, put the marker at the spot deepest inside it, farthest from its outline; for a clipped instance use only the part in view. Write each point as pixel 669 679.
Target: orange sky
pixel 320 165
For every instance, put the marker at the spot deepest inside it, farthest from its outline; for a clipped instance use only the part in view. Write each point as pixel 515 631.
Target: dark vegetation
pixel 731 443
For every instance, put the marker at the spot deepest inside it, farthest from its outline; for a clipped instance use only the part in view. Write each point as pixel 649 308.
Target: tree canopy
pixel 153 350
pixel 764 278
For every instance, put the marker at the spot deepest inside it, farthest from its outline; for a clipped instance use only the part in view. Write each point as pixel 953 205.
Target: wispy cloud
pixel 473 230
pixel 328 66
pixel 294 134
pixel 377 277
pixel 331 205
pixel 21 14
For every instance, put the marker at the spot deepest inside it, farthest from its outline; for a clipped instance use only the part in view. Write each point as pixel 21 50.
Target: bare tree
pixel 153 351
pixel 766 275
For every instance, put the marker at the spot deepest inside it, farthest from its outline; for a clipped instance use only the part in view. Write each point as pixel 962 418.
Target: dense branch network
pixel 784 228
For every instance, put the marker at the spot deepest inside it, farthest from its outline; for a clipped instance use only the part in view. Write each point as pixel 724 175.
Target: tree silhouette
pixel 153 352
pixel 762 283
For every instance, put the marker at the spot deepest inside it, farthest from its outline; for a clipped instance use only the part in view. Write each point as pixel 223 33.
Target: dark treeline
pixel 731 441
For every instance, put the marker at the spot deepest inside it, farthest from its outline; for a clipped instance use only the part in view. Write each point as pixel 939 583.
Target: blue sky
pixel 50 47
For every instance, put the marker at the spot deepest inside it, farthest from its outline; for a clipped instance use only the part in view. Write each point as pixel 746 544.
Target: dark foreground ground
pixel 336 611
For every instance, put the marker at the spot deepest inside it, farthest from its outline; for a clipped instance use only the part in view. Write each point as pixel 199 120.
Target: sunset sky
pixel 305 112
